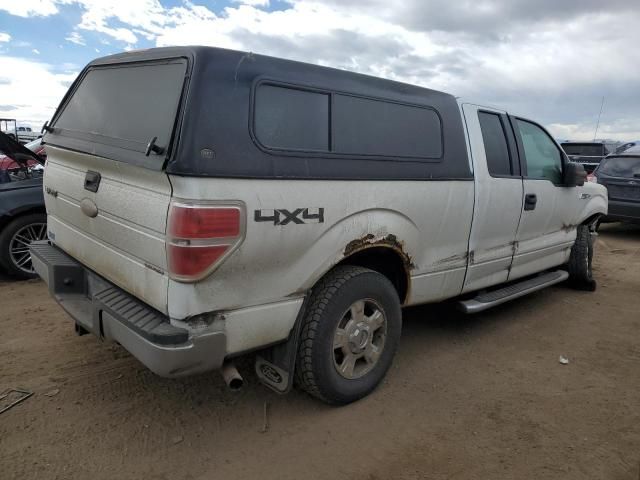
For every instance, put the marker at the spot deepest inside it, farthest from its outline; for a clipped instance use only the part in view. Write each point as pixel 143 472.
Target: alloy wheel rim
pixel 19 245
pixel 359 339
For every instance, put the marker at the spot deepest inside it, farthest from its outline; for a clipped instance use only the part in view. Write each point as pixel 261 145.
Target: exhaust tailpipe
pixel 231 376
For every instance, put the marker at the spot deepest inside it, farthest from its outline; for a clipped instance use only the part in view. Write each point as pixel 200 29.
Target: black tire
pixel 331 301
pixel 6 235
pixel 580 261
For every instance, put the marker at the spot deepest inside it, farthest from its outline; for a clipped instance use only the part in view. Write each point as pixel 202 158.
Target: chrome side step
pixel 486 300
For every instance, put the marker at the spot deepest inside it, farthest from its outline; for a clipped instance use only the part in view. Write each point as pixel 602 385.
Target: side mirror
pixel 574 174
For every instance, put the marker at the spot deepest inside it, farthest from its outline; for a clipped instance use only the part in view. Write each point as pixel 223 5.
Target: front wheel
pixel 349 336
pixel 581 259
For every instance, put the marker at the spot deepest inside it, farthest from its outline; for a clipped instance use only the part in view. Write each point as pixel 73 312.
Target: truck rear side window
pixel 291 119
pixel 296 119
pixel 363 126
pixel 116 110
pixel 495 144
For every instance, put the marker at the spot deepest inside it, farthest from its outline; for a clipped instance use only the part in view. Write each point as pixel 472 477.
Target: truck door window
pixel 495 144
pixel 543 158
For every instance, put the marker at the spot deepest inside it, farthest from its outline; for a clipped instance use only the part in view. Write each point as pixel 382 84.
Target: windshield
pixel 584 149
pixel 624 147
pixel 624 167
pixel 634 149
pixel 33 145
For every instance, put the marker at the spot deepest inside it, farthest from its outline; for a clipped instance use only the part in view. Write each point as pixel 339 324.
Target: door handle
pixel 530 201
pixel 92 181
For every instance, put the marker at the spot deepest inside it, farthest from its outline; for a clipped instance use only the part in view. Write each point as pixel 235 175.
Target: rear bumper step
pixel 108 312
pixel 486 300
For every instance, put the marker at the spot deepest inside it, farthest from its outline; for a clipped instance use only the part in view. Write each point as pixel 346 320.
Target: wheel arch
pixel 595 208
pixel 387 260
pixel 592 219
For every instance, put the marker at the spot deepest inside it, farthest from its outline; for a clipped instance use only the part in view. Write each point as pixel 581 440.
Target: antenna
pixel 595 134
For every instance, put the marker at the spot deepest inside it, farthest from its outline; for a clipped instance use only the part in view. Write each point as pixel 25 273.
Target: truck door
pixel 545 235
pixel 498 197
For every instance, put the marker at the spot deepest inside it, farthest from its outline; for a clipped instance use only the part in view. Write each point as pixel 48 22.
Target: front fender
pixel 595 202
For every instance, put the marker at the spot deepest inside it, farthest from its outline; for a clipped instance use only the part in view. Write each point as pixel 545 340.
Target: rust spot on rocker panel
pixel 389 241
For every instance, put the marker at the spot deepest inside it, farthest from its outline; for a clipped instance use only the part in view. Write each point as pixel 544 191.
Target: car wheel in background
pixel 14 244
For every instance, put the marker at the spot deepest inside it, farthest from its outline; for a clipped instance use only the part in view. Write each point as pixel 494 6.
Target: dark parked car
pixel 23 217
pixel 589 154
pixel 620 173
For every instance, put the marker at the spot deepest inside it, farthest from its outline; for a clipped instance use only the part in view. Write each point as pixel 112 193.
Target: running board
pixel 486 300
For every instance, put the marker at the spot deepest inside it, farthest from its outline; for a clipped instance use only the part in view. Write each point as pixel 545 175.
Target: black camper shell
pixel 202 111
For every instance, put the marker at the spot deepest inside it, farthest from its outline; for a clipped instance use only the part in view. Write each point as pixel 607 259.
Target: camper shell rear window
pixel 623 167
pixel 114 111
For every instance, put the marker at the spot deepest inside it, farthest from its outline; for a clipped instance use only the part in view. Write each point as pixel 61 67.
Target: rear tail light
pixel 200 236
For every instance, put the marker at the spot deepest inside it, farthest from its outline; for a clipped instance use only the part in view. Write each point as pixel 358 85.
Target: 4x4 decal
pixel 282 216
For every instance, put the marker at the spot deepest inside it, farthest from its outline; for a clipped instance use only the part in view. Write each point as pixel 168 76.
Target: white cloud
pixel 33 91
pixel 254 3
pixel 36 51
pixel 75 37
pixel 4 37
pixel 146 16
pixel 30 8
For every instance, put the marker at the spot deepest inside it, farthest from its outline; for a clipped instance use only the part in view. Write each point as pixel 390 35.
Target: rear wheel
pixel 580 261
pixel 350 334
pixel 15 239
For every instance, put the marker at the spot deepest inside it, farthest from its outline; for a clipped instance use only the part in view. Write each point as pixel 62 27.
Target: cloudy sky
pixel 551 60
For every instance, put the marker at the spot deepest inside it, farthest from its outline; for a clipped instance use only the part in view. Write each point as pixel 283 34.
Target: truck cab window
pixel 544 160
pixel 495 144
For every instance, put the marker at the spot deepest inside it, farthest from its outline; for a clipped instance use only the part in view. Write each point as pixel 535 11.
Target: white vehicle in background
pixel 22 133
pixel 206 203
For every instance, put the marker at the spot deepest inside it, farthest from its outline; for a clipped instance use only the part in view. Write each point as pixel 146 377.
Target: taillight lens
pixel 207 222
pixel 200 236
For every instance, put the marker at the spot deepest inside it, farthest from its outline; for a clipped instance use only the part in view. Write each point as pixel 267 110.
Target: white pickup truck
pixel 206 203
pixel 22 134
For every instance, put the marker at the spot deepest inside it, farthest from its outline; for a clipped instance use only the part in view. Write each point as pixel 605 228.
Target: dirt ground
pixel 480 397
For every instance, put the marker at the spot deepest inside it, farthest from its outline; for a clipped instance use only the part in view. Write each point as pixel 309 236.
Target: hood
pixel 17 152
